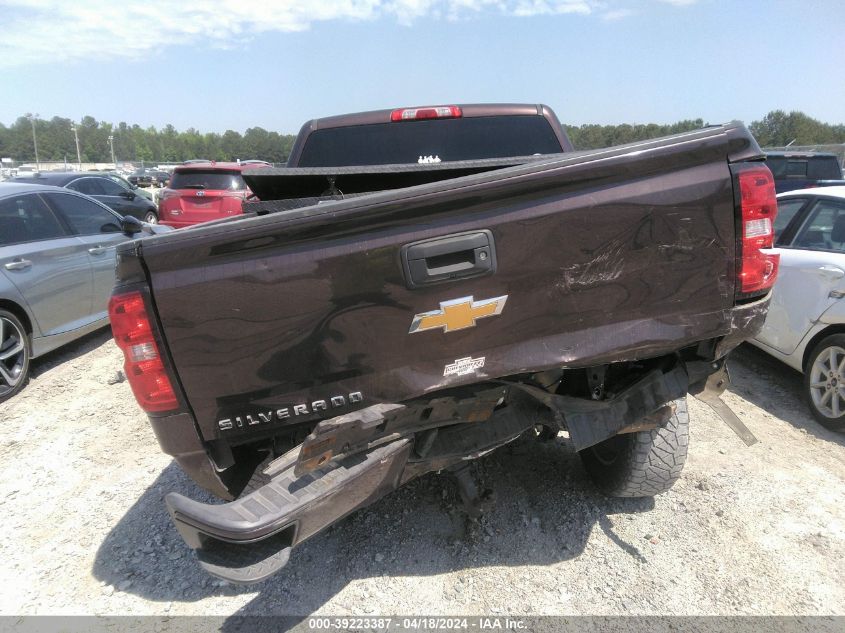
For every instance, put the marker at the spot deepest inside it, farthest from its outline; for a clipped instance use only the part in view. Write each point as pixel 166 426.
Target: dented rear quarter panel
pixel 605 256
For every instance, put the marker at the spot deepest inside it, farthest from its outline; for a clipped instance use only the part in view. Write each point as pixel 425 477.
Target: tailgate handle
pixel 457 256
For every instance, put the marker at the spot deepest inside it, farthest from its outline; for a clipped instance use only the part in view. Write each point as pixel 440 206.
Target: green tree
pixel 592 136
pixel 779 128
pixel 231 145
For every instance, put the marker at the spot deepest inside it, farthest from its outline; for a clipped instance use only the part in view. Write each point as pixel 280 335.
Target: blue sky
pixel 235 64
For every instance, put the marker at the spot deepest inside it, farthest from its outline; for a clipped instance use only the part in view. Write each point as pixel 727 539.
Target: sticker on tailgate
pixel 464 366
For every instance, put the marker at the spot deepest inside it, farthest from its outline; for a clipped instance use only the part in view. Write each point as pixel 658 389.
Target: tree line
pixel 56 140
pixel 133 143
pixel 776 129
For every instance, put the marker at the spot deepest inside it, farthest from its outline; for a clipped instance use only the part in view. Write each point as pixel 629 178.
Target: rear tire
pixel 824 384
pixel 151 217
pixel 15 353
pixel 641 464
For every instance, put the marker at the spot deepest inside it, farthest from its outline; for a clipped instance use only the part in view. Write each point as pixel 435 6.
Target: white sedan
pixel 805 327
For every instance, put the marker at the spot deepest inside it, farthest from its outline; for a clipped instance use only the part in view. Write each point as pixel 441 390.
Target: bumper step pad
pixel 249 539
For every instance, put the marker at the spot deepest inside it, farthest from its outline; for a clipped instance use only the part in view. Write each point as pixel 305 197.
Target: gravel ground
pixel 757 530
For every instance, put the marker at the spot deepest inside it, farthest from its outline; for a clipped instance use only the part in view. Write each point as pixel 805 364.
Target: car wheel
pixel 641 464
pixel 151 217
pixel 15 353
pixel 824 382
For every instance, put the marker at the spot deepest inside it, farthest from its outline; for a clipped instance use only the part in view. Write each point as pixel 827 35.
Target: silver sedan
pixel 57 259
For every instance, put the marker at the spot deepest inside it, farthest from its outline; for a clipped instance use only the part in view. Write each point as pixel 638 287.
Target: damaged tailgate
pixel 573 260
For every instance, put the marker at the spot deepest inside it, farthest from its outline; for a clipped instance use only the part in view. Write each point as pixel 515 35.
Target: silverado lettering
pixel 240 421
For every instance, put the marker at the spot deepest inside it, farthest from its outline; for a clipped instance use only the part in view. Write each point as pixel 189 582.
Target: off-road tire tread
pixel 651 463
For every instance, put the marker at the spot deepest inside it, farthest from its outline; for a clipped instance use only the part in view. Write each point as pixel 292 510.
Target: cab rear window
pixel 449 139
pixel 813 167
pixel 824 168
pixel 217 180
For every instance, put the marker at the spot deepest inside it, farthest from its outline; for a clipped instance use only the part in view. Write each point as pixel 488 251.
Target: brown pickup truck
pixel 421 286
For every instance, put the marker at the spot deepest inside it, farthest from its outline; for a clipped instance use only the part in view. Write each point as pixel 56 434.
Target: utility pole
pixel 78 155
pixel 111 144
pixel 32 118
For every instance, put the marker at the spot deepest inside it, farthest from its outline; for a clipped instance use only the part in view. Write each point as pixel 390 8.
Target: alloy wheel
pixel 12 355
pixel 827 382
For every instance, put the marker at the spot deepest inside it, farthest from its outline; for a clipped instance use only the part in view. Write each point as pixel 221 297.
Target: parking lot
pixel 757 530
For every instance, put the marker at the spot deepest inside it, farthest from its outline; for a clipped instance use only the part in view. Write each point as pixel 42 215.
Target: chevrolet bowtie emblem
pixel 457 314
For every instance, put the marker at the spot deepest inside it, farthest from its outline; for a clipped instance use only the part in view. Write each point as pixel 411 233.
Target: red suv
pixel 204 191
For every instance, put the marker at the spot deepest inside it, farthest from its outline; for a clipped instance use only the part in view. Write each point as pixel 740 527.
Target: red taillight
pixel 428 112
pixel 756 270
pixel 143 366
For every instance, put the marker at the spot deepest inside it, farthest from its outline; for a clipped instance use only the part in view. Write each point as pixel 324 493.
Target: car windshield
pixel 217 179
pixel 449 139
